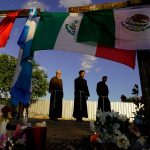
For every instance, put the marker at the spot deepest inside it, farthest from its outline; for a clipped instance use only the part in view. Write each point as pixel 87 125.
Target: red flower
pixel 94 137
pixel 6 109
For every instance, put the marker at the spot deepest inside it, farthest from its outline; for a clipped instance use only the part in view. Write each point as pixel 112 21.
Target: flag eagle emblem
pixel 137 23
pixel 71 28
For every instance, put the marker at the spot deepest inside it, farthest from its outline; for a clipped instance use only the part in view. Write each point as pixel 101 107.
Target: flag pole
pixel 97 7
pixel 24 13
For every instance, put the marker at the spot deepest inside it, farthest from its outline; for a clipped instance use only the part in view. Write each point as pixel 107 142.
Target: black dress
pixel 56 90
pixel 81 95
pixel 103 100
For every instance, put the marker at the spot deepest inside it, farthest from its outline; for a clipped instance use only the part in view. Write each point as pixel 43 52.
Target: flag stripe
pixel 65 38
pixel 6 26
pixel 97 26
pixel 126 57
pixel 132 28
pixel 21 87
pixel 48 29
pixel 119 28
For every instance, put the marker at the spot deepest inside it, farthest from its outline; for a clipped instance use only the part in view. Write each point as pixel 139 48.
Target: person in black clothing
pixel 56 90
pixel 81 94
pixel 103 91
pixel 135 90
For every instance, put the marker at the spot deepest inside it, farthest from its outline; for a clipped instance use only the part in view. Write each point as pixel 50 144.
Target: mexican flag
pixel 117 28
pixel 59 31
pixel 6 24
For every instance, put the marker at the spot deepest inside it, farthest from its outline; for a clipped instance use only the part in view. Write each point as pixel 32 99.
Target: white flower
pixel 41 124
pixel 142 140
pixel 3 124
pixel 98 113
pixel 123 117
pixel 102 119
pixel 114 114
pixel 122 142
pixel 117 133
pixel 92 126
pixel 116 126
pixel 103 116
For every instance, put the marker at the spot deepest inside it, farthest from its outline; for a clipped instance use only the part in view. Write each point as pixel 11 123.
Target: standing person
pixel 103 91
pixel 56 90
pixel 81 93
pixel 135 90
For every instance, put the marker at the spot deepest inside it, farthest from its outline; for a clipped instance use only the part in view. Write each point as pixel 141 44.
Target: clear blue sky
pixel 121 78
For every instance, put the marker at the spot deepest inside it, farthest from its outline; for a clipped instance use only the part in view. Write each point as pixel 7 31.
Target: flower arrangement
pixel 16 137
pixel 139 128
pixel 111 128
pixel 3 123
pixel 17 140
pixel 5 111
pixel 4 119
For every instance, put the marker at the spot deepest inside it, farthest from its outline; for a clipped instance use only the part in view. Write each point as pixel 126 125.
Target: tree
pixel 39 81
pixel 7 70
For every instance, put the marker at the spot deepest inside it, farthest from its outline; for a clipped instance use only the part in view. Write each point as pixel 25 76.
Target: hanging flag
pixel 6 25
pixel 21 86
pixel 117 28
pixel 126 57
pixel 59 31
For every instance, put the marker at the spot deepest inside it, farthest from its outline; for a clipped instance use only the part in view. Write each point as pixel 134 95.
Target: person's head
pixel 81 73
pixel 104 78
pixel 58 74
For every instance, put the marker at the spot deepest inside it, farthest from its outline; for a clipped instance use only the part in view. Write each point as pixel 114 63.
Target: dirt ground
pixel 62 130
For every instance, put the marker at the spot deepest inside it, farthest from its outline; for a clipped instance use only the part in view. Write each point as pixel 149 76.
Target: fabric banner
pixel 6 24
pixel 21 86
pixel 117 28
pixel 60 33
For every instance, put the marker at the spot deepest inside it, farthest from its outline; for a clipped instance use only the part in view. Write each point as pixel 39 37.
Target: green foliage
pixel 39 82
pixel 140 115
pixel 7 70
pixel 5 101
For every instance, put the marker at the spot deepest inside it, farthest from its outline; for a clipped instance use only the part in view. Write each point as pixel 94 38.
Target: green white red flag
pixel 58 31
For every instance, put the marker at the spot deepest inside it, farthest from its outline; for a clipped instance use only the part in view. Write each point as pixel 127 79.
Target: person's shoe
pixel 54 119
pixel 77 120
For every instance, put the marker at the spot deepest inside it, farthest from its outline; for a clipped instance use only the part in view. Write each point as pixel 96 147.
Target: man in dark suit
pixel 56 90
pixel 103 91
pixel 81 94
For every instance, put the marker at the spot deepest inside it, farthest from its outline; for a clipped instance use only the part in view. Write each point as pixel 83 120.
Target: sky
pixel 121 78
